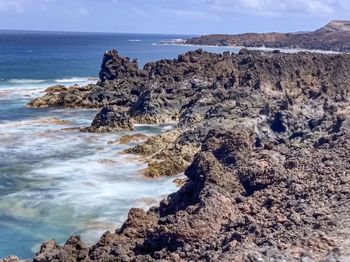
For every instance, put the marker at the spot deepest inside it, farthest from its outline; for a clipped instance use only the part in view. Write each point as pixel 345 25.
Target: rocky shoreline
pixel 335 36
pixel 263 138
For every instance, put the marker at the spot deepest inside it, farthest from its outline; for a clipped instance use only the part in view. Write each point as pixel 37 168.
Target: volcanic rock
pixel 335 36
pixel 115 66
pixel 60 95
pixel 264 140
pixel 56 88
pixel 110 119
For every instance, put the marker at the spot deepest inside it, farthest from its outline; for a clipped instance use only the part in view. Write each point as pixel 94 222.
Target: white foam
pixel 134 40
pixel 213 48
pixel 31 88
pixel 20 93
pixel 168 127
pixel 176 40
pixel 26 81
pixel 75 80
pixel 71 179
pixel 288 50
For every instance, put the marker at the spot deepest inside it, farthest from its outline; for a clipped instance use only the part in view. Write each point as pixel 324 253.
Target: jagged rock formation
pixel 115 66
pixel 110 119
pixel 267 137
pixel 335 36
pixel 242 203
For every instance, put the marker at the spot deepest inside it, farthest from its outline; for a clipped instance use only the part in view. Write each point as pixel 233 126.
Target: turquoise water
pixel 54 181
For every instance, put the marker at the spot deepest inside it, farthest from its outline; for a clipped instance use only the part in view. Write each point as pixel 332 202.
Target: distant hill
pixel 335 36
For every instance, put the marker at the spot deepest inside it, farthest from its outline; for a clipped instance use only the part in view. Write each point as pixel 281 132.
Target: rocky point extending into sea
pixel 335 36
pixel 263 139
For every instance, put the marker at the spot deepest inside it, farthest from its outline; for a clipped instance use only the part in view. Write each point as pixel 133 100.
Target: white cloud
pixel 276 7
pixel 201 8
pixel 11 5
pixel 20 6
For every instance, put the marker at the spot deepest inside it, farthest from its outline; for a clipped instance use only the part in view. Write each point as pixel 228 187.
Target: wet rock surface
pixel 264 140
pixel 74 96
pixel 132 138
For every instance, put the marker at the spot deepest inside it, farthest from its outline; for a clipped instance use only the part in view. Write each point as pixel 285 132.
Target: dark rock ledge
pixel 110 119
pixel 264 140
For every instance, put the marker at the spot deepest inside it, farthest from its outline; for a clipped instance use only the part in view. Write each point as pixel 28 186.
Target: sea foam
pixel 31 88
pixel 76 80
pixel 68 182
pixel 26 81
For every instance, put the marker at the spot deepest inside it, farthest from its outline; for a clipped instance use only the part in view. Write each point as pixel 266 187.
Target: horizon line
pixel 90 32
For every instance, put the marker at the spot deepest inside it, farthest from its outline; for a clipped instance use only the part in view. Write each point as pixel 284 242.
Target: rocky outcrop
pixel 264 139
pixel 56 88
pixel 73 250
pixel 335 36
pixel 168 154
pixel 243 202
pixel 10 259
pixel 110 119
pixel 74 96
pixel 115 66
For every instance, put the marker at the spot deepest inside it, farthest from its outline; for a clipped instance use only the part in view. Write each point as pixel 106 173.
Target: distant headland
pixel 335 36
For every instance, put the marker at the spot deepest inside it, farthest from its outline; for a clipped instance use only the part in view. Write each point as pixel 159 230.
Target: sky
pixel 192 17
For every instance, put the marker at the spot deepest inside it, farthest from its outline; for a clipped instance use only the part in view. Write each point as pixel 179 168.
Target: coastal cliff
pixel 334 36
pixel 263 138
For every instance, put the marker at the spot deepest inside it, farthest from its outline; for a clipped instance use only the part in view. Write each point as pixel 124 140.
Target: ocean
pixel 54 181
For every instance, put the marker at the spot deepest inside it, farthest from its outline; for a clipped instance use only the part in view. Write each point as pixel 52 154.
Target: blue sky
pixel 171 16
